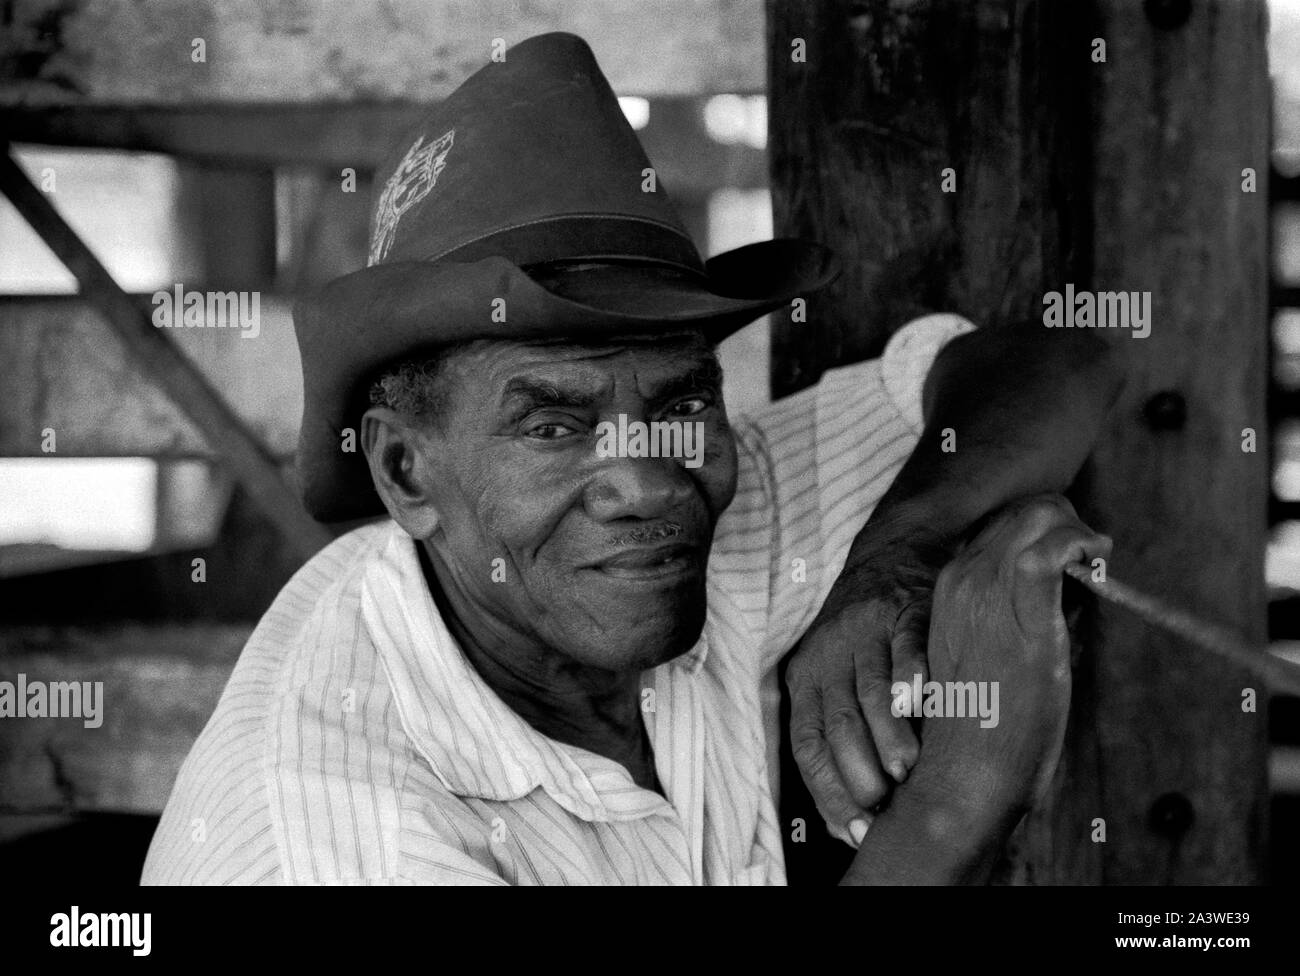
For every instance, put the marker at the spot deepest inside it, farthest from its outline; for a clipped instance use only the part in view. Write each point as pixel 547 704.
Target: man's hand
pixel 998 618
pixel 870 632
pixel 997 621
pixel 1027 405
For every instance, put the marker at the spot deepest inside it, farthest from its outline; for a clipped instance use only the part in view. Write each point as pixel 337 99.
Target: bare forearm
pixel 1008 413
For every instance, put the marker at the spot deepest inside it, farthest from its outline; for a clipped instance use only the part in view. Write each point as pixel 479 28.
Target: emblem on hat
pixel 410 183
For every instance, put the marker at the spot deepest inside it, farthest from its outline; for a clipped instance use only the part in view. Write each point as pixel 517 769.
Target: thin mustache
pixel 649 533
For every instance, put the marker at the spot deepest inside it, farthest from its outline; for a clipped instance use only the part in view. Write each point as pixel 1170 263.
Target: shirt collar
pixel 477 745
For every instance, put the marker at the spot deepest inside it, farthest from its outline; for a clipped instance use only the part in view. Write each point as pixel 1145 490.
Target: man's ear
pixel 397 454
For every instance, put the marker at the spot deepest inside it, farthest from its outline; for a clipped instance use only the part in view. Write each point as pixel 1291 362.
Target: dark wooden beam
pixel 326 136
pixel 862 134
pixel 1283 187
pixel 1285 296
pixel 356 134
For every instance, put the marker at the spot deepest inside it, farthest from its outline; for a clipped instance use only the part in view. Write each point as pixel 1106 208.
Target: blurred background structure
pixel 251 170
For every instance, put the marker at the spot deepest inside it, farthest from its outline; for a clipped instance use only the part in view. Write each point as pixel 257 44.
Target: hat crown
pixel 531 159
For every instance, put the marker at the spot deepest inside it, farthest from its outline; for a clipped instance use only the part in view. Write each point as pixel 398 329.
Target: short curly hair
pixel 412 388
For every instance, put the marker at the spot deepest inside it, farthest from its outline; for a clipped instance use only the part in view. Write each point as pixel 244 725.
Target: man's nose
pixel 638 488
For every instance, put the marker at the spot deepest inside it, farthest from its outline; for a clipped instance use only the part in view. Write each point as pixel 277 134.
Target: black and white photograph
pixel 651 442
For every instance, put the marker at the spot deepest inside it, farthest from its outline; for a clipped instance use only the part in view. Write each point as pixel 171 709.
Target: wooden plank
pixel 245 565
pixel 160 685
pixel 419 50
pixel 330 136
pixel 1180 110
pixel 358 135
pixel 1006 94
pixel 61 367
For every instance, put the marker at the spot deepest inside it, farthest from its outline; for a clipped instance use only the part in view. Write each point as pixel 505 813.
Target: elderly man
pixel 546 664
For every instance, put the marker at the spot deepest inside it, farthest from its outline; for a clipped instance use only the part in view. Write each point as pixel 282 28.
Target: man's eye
pixel 690 406
pixel 549 432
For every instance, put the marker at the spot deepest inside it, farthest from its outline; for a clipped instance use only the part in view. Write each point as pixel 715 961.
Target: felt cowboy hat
pixel 522 207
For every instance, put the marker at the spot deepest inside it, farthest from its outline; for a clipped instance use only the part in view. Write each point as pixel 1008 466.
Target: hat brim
pixel 751 280
pixel 362 322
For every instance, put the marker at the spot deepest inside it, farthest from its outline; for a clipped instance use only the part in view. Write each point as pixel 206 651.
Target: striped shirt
pixel 354 743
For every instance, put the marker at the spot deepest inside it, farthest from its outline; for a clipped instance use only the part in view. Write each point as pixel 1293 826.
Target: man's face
pixel 604 557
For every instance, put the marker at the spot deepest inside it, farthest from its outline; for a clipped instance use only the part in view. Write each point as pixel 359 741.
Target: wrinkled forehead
pixel 492 366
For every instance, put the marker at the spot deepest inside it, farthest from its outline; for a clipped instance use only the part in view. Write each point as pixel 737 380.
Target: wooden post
pixel 1181 110
pixel 235 209
pixel 1122 174
pixel 936 151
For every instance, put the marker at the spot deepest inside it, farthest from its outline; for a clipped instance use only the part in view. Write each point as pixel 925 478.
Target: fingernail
pixel 858 831
pixel 898 770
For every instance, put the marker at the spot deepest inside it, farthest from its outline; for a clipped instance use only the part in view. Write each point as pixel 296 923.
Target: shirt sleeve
pixel 811 469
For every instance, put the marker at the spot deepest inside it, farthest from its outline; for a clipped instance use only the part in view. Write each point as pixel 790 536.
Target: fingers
pixel 910 653
pixel 877 669
pixel 1025 546
pixel 1039 568
pixel 1021 526
pixel 1067 543
pixel 852 746
pixel 845 820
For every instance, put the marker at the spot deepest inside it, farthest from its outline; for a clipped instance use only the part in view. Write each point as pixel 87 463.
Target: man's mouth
pixel 664 561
